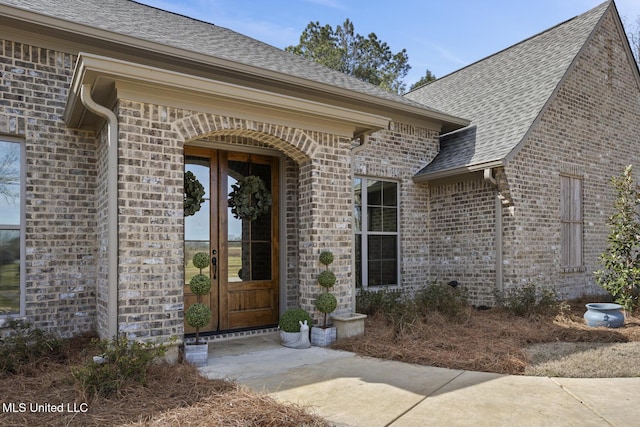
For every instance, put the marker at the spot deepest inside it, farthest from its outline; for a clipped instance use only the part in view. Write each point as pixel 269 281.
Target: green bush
pixel 291 317
pixel 442 298
pixel 24 344
pixel 527 300
pixel 124 361
pixel 370 302
pixel 620 275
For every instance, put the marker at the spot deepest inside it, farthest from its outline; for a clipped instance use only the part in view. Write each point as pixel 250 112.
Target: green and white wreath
pixel 250 198
pixel 193 194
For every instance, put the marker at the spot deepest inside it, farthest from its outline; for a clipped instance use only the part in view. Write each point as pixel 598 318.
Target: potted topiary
pixel 325 303
pixel 294 328
pixel 199 314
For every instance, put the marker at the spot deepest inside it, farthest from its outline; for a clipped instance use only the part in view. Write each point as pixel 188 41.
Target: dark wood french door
pixel 244 252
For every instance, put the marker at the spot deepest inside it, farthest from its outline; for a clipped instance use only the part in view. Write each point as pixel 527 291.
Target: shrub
pixel 442 298
pixel 124 361
pixel 24 344
pixel 370 302
pixel 289 322
pixel 620 274
pixel 527 300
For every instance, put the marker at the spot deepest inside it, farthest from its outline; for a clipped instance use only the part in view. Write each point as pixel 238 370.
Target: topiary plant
pixel 199 315
pixel 290 320
pixel 326 302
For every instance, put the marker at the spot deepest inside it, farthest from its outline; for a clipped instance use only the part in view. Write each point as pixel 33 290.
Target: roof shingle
pixel 503 94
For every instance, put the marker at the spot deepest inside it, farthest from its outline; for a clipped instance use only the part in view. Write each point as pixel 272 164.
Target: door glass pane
pixel 196 226
pixel 249 240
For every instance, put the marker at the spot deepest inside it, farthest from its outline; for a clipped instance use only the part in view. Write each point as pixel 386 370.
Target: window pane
pixel 9 183
pixel 358 247
pixel 390 194
pixel 374 218
pixel 390 219
pixel 357 213
pixel 9 271
pixel 374 193
pixel 382 260
pixel 388 245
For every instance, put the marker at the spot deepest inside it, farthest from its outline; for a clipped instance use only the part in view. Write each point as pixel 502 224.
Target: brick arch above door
pixel 295 143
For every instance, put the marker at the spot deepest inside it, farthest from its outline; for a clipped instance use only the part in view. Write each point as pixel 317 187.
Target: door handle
pixel 214 263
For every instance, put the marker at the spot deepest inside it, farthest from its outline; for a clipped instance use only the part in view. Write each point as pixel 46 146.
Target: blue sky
pixel 441 36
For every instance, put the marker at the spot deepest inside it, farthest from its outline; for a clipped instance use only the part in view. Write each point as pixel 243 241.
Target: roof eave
pixel 390 107
pixel 458 171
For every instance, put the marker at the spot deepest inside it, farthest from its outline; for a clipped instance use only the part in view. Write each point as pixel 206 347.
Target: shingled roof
pixel 154 29
pixel 503 95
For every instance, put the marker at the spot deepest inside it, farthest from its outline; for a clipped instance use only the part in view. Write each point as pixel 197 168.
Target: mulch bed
pixel 176 395
pixel 487 341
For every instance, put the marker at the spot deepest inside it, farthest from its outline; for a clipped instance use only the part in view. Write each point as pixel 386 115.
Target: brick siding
pixel 60 188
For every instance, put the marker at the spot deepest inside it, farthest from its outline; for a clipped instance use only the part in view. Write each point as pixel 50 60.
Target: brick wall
pixel 150 223
pixel 590 129
pixel 462 236
pixel 405 150
pixel 60 188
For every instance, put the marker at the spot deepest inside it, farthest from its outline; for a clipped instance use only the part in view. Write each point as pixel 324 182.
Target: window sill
pixel 569 270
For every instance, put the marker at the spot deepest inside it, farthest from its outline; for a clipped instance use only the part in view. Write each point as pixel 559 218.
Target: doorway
pixel 243 248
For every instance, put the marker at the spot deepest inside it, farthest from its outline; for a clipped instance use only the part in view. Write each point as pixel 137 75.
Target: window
pixel 377 237
pixel 571 223
pixel 10 227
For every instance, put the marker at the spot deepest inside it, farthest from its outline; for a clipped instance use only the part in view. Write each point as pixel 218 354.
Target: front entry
pixel 242 241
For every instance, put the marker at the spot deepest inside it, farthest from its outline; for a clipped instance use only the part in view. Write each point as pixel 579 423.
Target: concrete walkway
pixel 350 390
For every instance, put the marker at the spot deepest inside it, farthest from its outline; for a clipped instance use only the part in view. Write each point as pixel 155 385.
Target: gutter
pixel 364 143
pixel 462 170
pixel 491 180
pixel 112 205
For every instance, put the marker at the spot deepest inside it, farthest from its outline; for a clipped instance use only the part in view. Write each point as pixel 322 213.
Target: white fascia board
pixel 147 83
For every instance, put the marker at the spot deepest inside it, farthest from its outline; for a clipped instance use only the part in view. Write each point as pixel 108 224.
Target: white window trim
pixel 364 226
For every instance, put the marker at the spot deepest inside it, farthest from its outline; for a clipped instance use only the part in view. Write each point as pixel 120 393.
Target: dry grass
pixel 496 341
pixel 175 395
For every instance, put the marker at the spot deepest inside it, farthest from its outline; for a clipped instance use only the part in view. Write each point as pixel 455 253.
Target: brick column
pixel 325 212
